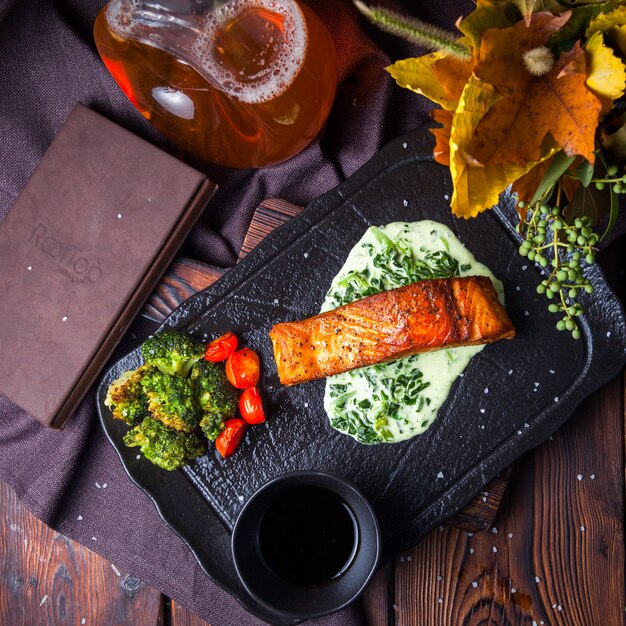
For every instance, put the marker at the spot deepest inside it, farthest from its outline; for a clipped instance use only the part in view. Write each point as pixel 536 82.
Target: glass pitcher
pixel 242 83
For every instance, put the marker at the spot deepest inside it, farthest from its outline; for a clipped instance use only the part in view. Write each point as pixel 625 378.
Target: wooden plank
pixel 271 214
pixel 183 278
pixel 479 513
pixel 558 555
pixel 181 616
pixel 46 578
pixel 378 607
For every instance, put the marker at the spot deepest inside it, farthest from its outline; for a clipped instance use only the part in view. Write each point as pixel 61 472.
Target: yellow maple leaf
pixel 424 75
pixel 606 76
pixel 417 75
pixel 556 104
pixel 477 185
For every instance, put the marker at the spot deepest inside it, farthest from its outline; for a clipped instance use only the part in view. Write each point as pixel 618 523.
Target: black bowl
pixel 297 601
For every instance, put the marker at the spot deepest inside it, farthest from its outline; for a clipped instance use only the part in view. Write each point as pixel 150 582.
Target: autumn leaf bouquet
pixel 532 96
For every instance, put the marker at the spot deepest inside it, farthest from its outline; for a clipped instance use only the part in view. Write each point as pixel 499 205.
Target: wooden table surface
pixel 554 555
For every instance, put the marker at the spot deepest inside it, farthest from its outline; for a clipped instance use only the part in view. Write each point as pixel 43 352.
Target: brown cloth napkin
pixel 48 62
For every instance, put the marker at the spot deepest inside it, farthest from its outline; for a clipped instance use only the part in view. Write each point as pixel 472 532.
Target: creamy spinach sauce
pixel 390 402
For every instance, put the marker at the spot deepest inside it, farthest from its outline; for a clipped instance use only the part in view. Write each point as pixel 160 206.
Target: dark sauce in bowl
pixel 308 536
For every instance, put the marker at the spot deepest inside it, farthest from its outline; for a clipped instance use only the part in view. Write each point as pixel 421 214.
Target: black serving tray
pixel 513 395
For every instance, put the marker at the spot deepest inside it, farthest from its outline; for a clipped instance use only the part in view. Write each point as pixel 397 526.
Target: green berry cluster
pixel 563 247
pixel 617 184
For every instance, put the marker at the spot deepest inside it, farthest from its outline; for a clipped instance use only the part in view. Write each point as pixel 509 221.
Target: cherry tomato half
pixel 230 437
pixel 221 348
pixel 243 369
pixel 251 406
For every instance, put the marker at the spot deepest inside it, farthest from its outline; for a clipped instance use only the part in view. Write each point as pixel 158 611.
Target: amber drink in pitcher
pixel 244 83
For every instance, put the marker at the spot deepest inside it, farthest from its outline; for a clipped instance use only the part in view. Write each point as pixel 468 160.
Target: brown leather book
pixel 82 248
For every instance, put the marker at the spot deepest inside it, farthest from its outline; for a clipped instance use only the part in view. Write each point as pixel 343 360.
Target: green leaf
pixel 554 6
pixel 579 21
pixel 580 3
pixel 590 202
pixel 585 173
pixel 558 167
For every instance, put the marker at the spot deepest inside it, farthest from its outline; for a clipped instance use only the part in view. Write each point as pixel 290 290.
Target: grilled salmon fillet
pixel 423 316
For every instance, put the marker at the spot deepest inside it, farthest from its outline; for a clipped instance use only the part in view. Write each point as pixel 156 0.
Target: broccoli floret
pixel 212 424
pixel 172 352
pixel 215 395
pixel 167 448
pixel 126 397
pixel 171 400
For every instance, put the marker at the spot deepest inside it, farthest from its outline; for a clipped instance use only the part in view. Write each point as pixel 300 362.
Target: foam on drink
pixel 286 57
pixel 285 54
